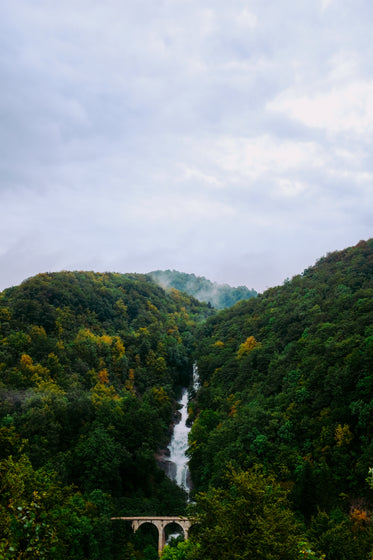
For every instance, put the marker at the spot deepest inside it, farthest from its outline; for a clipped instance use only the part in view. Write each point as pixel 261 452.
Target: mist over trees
pixel 219 296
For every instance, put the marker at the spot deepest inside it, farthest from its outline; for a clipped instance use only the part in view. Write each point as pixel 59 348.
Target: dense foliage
pixel 287 382
pixel 281 450
pixel 247 517
pixel 219 296
pixel 90 365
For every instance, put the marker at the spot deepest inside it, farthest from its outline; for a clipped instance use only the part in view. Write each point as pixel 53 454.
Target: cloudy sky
pixel 228 139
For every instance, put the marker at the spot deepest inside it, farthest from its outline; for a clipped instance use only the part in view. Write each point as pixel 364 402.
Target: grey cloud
pixel 142 135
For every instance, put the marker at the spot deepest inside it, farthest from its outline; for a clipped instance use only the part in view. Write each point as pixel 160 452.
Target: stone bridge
pixel 161 523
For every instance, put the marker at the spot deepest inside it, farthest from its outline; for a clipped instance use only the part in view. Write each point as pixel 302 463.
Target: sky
pixel 232 140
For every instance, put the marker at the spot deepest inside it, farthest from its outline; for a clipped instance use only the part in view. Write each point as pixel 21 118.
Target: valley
pixel 273 452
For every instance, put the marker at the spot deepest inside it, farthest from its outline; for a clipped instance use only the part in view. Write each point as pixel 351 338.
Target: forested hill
pixel 90 321
pixel 90 365
pixel 287 383
pixel 219 296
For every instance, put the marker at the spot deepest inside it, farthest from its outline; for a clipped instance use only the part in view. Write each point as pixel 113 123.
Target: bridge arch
pixel 161 523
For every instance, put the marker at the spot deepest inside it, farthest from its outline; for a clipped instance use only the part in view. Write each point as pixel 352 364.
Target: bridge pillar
pixel 161 537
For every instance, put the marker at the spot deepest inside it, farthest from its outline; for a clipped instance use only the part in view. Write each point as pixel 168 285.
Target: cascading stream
pixel 179 445
pixel 178 461
pixel 179 441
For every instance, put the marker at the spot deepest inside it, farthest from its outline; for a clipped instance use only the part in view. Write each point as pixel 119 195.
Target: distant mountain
pixel 219 296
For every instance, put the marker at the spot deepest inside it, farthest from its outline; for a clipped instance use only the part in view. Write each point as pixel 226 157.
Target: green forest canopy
pixel 91 365
pixel 287 383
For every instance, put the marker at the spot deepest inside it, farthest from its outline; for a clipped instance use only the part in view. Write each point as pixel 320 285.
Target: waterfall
pixel 179 444
pixel 179 441
pixel 195 378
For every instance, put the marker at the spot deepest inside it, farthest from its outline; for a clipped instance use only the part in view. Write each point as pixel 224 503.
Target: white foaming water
pixel 179 445
pixel 179 441
pixel 195 378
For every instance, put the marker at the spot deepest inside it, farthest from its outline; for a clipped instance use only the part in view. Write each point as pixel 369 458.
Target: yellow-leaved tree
pixel 248 346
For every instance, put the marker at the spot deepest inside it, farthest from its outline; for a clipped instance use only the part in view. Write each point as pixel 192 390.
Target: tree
pixel 98 456
pixel 40 518
pixel 182 551
pixel 248 518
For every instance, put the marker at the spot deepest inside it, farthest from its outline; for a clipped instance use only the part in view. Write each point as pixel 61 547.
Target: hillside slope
pixel 287 382
pixel 90 365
